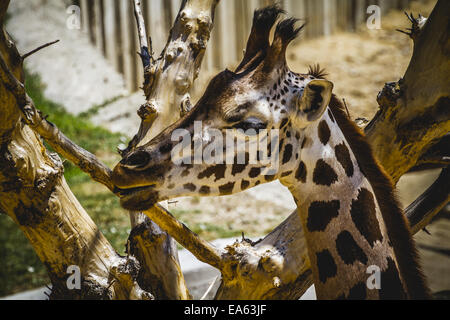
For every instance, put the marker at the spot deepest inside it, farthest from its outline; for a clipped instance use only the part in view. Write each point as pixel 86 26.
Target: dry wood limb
pixel 26 55
pixel 275 268
pixel 414 113
pixel 200 248
pixel 142 34
pixel 416 25
pixel 423 209
pixel 3 8
pixel 35 195
pixel 157 253
pixel 169 78
pixel 436 157
pixel 126 272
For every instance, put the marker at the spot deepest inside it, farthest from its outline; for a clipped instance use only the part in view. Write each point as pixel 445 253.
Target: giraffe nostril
pixel 137 159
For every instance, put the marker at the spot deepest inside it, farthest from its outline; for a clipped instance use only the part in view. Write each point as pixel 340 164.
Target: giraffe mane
pixel 317 72
pixel 393 216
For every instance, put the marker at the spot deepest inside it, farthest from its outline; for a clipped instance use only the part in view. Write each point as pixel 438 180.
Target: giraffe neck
pixel 346 236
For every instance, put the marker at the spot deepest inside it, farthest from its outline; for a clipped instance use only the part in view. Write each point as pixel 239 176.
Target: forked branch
pixel 145 53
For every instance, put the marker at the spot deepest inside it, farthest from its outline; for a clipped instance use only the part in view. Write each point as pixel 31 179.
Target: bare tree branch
pixel 169 79
pixel 200 248
pixel 414 112
pixel 423 209
pixel 39 49
pixel 145 53
pixel 155 250
pixel 435 157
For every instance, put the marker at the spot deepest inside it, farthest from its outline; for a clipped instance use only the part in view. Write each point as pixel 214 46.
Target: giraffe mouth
pixel 121 192
pixel 137 199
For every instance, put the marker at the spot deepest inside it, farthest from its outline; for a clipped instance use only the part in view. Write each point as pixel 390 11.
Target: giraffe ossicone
pixel 350 217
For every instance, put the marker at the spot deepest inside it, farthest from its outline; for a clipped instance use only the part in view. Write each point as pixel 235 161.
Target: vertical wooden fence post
pixel 111 27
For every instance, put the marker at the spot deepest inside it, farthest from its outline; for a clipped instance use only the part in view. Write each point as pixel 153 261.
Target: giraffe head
pixel 261 96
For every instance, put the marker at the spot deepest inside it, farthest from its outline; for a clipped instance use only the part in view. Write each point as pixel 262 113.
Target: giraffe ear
pixel 315 99
pixel 285 32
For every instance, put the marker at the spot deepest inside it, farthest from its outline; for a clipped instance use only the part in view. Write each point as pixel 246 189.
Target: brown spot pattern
pixel 226 189
pixel 189 186
pixel 254 172
pixel 205 190
pixel 287 153
pixel 348 249
pixel 301 172
pixel 324 174
pixel 218 171
pixel 326 266
pixel 343 156
pixel 244 184
pixel 320 213
pixel 363 214
pixel 324 132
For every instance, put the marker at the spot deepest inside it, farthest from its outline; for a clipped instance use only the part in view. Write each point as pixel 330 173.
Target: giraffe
pixel 345 200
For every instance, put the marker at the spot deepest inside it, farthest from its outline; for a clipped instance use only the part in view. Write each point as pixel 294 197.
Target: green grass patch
pixel 212 231
pixel 79 129
pixel 20 267
pixel 96 109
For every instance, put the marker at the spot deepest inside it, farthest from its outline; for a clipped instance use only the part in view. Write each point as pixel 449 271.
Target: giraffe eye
pixel 251 123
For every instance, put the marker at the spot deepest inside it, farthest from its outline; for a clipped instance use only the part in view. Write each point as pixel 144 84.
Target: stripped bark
pixel 157 254
pixel 169 78
pixel 431 202
pixel 415 111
